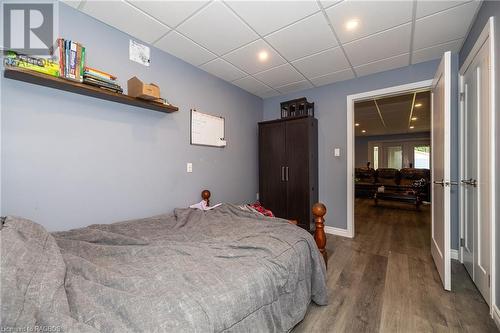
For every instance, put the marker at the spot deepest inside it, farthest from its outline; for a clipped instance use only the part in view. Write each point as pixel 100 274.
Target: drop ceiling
pixel 307 42
pixel 393 115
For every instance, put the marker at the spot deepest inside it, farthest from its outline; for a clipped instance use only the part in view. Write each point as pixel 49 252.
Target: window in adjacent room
pixel 375 157
pixel 394 157
pixel 422 157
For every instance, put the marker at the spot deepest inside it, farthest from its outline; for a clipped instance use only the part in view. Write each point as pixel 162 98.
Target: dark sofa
pixel 397 181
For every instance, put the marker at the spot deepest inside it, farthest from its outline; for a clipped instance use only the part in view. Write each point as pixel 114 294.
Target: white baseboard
pixel 496 315
pixel 337 231
pixel 454 254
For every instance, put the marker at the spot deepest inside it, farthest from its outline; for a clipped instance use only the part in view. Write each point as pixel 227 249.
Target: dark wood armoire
pixel 288 168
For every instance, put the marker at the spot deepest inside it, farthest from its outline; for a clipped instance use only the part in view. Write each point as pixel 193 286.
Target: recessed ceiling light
pixel 263 55
pixel 351 24
pixel 418 105
pixel 412 127
pixel 363 131
pixel 357 124
pixel 414 118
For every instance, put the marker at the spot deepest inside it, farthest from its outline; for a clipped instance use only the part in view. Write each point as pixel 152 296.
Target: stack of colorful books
pixel 101 79
pixel 40 65
pixel 71 59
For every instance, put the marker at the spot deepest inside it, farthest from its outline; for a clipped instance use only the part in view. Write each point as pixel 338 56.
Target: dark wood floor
pixel 384 280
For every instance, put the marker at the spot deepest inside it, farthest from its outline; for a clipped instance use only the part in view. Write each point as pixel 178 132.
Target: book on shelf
pixel 99 73
pixel 40 65
pixel 102 84
pixel 72 59
pixel 101 79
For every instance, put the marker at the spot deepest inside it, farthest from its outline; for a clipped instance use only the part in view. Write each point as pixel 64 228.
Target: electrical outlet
pixel 336 152
pixel 189 167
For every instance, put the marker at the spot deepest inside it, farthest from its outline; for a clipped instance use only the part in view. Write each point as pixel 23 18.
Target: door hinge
pixel 462 242
pixel 462 97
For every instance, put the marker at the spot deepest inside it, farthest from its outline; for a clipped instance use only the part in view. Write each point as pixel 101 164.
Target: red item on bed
pixel 261 209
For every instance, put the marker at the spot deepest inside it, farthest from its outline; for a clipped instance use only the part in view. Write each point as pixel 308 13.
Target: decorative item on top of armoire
pixel 288 168
pixel 297 108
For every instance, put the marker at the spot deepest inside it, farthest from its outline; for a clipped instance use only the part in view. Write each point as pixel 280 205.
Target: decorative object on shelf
pixel 137 88
pixel 83 89
pixel 297 108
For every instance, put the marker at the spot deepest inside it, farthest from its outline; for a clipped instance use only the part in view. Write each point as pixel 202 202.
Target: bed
pixel 221 270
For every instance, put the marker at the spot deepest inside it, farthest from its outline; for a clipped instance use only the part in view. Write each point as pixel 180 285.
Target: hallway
pixel 384 280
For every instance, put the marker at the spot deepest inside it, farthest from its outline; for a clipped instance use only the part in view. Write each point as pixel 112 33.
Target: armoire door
pixel 297 171
pixel 272 168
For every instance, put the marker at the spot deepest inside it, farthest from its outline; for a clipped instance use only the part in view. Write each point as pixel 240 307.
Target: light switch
pixel 336 152
pixel 189 167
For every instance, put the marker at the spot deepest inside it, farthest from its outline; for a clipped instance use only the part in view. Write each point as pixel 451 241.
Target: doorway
pixel 441 92
pixel 351 151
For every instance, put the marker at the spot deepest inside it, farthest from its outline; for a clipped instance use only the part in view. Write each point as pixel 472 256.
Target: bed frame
pixel 318 210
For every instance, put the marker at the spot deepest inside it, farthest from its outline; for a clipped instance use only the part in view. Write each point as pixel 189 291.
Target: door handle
pixel 286 174
pixel 441 182
pixel 470 181
pixel 444 183
pixel 282 173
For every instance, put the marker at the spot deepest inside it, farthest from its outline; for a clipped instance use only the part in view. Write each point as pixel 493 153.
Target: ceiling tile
pixel 373 16
pixel 169 12
pixel 217 28
pixel 252 85
pixel 279 76
pixel 328 61
pixel 72 3
pixel 306 37
pixel 444 26
pixel 328 3
pixel 436 52
pixel 425 7
pixel 379 46
pixel 183 48
pixel 126 18
pixel 269 93
pixel 223 69
pixel 247 58
pixel 383 65
pixel 268 16
pixel 296 86
pixel 342 75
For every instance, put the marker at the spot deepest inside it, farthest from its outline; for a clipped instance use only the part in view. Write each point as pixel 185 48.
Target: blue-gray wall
pixel 488 9
pixel 70 160
pixel 330 109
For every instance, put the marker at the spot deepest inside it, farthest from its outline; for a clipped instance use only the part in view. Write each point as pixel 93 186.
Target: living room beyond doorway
pixel 393 152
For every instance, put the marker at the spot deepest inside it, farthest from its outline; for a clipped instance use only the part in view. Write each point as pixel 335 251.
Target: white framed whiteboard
pixel 207 130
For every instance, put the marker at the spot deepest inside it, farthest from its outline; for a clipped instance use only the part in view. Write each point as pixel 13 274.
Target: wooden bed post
pixel 205 195
pixel 319 210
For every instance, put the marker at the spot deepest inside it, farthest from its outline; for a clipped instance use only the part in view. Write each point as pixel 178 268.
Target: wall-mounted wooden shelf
pixel 83 89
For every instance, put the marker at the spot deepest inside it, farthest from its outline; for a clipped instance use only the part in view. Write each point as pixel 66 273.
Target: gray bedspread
pixel 189 271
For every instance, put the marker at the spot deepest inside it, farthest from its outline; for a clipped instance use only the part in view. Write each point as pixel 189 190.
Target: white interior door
pixel 477 183
pixel 441 183
pixel 469 172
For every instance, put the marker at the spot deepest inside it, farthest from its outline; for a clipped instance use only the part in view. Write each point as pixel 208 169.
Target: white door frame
pixel 487 32
pixel 351 99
